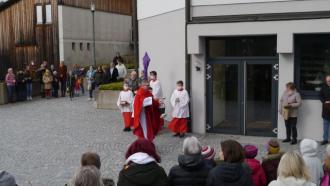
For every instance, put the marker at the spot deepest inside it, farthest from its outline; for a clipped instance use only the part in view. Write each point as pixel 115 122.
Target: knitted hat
pixel 251 151
pixel 208 153
pixel 273 147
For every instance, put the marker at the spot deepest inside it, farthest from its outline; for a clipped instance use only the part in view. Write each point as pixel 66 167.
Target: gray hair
pixel 87 176
pixel 191 146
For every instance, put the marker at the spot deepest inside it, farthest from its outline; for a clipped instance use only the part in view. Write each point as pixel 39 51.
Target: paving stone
pixel 42 141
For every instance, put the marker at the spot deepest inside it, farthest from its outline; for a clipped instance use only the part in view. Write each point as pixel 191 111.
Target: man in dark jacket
pixel 63 71
pixel 191 169
pixel 325 99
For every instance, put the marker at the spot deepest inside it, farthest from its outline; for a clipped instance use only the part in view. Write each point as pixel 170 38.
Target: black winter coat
pixel 191 171
pixel 325 96
pixel 150 174
pixel 230 174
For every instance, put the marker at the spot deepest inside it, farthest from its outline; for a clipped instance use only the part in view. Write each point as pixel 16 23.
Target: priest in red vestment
pixel 146 113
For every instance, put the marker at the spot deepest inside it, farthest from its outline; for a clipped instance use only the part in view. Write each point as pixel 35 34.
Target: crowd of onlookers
pixel 234 165
pixel 53 80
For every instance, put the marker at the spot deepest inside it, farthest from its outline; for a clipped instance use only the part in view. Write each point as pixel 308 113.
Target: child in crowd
pixel 47 80
pixel 77 87
pixel 326 167
pixel 271 160
pixel 56 84
pixel 179 101
pixel 208 154
pixel 71 85
pixel 258 174
pixel 124 103
pixel 308 149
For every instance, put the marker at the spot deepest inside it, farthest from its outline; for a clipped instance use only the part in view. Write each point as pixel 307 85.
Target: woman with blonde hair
pixel 87 176
pixel 292 171
pixel 47 80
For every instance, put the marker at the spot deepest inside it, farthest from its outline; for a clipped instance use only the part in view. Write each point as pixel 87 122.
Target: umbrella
pixel 146 62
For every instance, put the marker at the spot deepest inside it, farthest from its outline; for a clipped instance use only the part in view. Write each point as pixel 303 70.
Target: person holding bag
pixel 325 99
pixel 289 105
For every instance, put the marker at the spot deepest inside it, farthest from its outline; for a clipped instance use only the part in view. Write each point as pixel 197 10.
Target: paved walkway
pixel 42 141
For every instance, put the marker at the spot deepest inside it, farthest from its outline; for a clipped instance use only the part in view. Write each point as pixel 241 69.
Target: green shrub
pixel 112 86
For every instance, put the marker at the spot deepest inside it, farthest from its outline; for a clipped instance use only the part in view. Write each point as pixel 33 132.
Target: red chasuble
pixel 152 116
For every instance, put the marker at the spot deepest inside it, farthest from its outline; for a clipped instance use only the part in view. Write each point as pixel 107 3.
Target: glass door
pixel 224 112
pixel 260 97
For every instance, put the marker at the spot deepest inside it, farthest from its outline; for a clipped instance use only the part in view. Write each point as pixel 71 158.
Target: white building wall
pixel 112 34
pixel 163 37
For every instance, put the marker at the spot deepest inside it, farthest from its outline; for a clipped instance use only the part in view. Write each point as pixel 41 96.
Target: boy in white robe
pixel 125 101
pixel 180 104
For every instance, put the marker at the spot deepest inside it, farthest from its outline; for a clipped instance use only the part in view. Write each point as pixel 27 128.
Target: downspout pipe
pixel 135 25
pixel 187 57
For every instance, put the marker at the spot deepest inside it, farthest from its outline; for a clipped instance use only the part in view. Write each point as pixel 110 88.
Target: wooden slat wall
pixel 115 6
pixel 21 41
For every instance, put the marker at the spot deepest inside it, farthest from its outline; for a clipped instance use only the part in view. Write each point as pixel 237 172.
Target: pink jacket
pixel 258 174
pixel 10 79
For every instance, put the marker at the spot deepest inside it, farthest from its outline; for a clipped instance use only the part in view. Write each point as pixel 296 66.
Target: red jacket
pixel 258 174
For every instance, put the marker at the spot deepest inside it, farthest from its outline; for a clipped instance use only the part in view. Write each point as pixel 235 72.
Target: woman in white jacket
pixel 292 171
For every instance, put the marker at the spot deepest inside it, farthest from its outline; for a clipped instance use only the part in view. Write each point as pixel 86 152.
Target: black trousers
pixel 291 128
pixel 63 88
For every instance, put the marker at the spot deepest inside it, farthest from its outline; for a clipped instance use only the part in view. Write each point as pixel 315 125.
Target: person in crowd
pixel 10 82
pixel 40 73
pixel 133 81
pixel 208 154
pixel 77 87
pixel 71 83
pixel 157 92
pixel 87 176
pixel 99 76
pixel 292 171
pixel 192 169
pixel 325 99
pixel 45 65
pixel 6 179
pixel 63 71
pixel 106 74
pixel 81 76
pixel 55 84
pixel 258 174
pixel 125 101
pixel 308 149
pixel 271 160
pixel 180 104
pixel 145 112
pixel 47 80
pixel 289 104
pixel 20 86
pixel 90 76
pixel 142 78
pixel 141 167
pixel 29 81
pixel 122 71
pixel 113 72
pixel 52 68
pixel 117 57
pixel 326 167
pixel 232 171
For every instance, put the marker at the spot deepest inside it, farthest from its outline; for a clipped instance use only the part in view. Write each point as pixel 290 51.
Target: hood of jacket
pixel 254 165
pixel 146 174
pixel 308 148
pixel 190 162
pixel 291 181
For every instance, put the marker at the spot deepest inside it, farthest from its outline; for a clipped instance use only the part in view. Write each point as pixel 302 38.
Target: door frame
pixel 241 62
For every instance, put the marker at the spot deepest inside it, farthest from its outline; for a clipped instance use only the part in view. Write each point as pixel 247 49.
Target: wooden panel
pixel 21 40
pixel 115 6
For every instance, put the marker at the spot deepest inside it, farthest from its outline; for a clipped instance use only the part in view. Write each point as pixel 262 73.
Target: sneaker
pixel 127 129
pixel 177 134
pixel 286 140
pixel 163 116
pixel 324 142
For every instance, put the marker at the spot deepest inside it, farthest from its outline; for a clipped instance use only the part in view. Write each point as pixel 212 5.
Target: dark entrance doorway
pixel 242 90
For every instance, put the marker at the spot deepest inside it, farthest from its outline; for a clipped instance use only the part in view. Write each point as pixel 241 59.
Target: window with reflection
pixel 312 62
